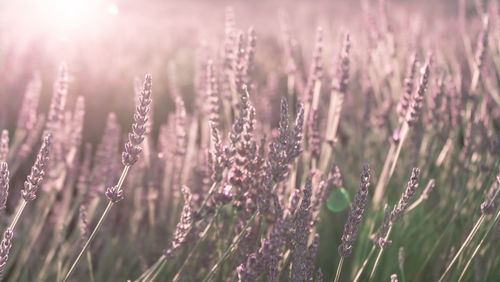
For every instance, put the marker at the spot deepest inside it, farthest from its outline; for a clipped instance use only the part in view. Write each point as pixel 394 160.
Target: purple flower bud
pixel 114 194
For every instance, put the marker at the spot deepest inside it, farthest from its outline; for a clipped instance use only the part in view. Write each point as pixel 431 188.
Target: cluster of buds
pixel 418 97
pixel 35 178
pixel 287 145
pixel 356 215
pixel 135 138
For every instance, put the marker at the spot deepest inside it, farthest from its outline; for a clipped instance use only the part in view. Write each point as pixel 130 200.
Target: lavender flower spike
pixel 351 226
pixel 141 116
pixel 35 178
pixel 418 98
pixel 183 229
pixel 58 102
pixel 488 206
pixel 84 224
pixel 407 196
pixel 4 184
pixel 4 249
pixel 405 98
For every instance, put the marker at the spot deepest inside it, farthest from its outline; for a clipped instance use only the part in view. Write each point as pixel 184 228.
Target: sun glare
pixel 70 18
pixel 70 13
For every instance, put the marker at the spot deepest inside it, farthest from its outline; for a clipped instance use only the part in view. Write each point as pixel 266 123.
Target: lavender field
pixel 249 140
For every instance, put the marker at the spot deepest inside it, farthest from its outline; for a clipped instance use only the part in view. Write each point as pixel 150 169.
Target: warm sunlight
pixel 70 18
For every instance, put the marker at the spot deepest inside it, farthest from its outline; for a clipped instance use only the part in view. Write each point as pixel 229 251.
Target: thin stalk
pixel 209 195
pixel 87 244
pixel 18 214
pixel 160 263
pixel 150 270
pixel 479 246
pixel 152 276
pixel 404 133
pixel 389 166
pixel 57 245
pixel 196 246
pixel 475 79
pixel 403 278
pixel 434 247
pixel 47 203
pixel 230 249
pixel 334 111
pixel 98 226
pixel 464 245
pixel 360 271
pixel 91 269
pixel 285 266
pixel 372 275
pixel 333 118
pixel 444 151
pixel 421 198
pixel 339 269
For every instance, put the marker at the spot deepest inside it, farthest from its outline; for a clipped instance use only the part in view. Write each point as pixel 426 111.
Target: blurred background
pixel 106 44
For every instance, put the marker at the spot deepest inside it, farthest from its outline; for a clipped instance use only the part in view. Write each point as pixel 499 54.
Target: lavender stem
pixel 98 226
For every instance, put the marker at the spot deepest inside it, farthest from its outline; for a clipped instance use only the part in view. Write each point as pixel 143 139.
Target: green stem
pixel 91 238
pixel 360 271
pixel 389 166
pixel 464 245
pixel 374 269
pixel 479 246
pixel 91 269
pixel 196 246
pixel 150 270
pixel 339 269
pixel 403 278
pixel 230 249
pixel 152 276
pixel 160 263
pixel 98 226
pixel 47 204
pixel 18 215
